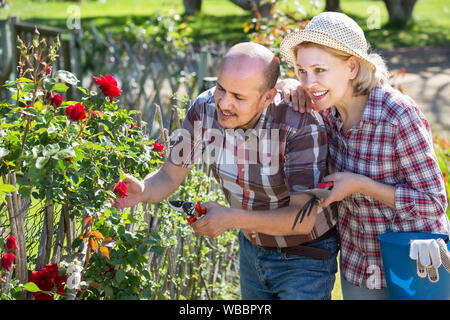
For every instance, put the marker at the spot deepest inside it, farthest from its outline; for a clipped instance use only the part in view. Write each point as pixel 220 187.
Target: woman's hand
pixel 344 184
pixel 292 91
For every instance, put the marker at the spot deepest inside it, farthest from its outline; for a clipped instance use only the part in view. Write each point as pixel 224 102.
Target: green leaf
pixel 120 275
pixel 3 152
pixel 48 83
pixel 37 150
pixel 66 76
pixel 63 154
pixel 50 150
pixel 109 292
pixel 41 162
pixel 60 87
pixel 6 188
pixel 31 287
pixel 128 218
pixel 85 91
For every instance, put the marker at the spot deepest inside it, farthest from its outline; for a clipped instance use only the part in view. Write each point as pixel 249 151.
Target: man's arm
pixel 275 222
pixel 155 187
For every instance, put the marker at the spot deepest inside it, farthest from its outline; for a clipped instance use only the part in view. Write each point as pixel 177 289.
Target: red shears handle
pixel 200 210
pixel 325 185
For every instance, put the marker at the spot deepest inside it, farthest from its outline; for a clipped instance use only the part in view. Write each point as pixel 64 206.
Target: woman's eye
pixel 320 70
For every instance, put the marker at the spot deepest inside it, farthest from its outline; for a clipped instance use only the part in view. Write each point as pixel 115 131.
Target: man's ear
pixel 353 67
pixel 269 96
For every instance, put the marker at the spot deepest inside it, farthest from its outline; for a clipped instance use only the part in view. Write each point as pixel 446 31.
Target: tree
pixel 400 11
pixel 257 7
pixel 263 7
pixel 332 5
pixel 192 6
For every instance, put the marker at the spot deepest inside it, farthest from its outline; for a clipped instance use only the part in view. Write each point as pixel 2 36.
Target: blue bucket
pixel 400 270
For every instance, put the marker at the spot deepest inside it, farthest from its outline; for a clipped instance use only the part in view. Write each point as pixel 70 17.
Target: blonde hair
pixel 367 78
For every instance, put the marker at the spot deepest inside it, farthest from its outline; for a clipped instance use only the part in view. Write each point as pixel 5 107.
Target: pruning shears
pixel 322 191
pixel 191 209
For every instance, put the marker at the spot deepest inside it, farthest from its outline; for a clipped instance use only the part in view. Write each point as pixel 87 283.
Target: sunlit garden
pixel 92 91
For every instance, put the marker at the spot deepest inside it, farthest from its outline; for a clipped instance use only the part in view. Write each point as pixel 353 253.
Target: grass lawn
pixel 222 20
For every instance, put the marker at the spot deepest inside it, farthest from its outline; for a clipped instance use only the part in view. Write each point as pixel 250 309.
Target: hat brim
pixel 295 38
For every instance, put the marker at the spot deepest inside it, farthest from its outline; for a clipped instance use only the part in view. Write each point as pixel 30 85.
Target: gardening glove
pixel 428 257
pixel 445 254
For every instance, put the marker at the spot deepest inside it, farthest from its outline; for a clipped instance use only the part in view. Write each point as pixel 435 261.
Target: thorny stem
pixel 33 100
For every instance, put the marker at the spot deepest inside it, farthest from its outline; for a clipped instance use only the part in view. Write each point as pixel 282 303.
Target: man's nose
pixel 225 102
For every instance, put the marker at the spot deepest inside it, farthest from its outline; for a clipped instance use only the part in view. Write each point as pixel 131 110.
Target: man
pixel 258 149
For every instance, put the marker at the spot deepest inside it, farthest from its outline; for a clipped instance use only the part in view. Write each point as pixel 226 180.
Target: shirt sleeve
pixel 187 148
pixel 422 195
pixel 305 157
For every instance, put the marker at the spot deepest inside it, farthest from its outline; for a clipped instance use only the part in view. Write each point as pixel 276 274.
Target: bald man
pixel 258 149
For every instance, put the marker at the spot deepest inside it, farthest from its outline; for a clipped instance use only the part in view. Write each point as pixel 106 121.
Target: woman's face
pixel 324 76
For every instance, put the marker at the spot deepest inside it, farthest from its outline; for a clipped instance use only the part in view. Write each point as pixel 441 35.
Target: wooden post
pixel 17 229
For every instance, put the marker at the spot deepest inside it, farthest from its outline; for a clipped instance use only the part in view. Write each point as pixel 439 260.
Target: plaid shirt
pixel 257 168
pixel 392 144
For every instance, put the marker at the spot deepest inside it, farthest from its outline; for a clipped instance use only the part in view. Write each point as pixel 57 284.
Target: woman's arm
pixel 347 183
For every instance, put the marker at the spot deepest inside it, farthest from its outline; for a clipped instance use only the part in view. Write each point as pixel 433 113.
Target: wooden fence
pixel 148 78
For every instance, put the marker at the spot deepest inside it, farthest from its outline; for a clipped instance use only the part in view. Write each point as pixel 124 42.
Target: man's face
pixel 238 96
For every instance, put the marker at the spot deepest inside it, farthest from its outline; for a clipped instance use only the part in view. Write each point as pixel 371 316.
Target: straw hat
pixel 332 29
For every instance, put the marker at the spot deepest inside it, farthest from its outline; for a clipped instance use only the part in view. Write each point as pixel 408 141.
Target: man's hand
pixel 215 222
pixel 135 190
pixel 292 91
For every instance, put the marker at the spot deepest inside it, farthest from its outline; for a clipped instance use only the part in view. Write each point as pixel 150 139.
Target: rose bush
pixel 67 153
pixel 71 159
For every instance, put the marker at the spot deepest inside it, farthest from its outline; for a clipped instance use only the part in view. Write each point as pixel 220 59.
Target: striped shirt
pixel 257 168
pixel 392 144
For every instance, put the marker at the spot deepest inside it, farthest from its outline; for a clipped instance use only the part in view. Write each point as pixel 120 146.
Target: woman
pixel 386 175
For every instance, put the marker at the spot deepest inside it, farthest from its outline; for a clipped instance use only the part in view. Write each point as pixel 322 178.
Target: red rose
pixel 159 147
pixel 108 85
pixel 11 243
pixel 121 190
pixel 7 260
pixel 76 112
pixel 56 100
pixel 45 279
pixel 27 106
pixel 69 159
pixel 60 282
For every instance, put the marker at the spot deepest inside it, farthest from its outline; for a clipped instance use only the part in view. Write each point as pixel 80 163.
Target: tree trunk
pixel 332 5
pixel 400 11
pixel 192 6
pixel 261 8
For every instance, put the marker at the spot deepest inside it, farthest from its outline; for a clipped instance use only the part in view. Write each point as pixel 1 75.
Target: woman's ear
pixel 353 67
